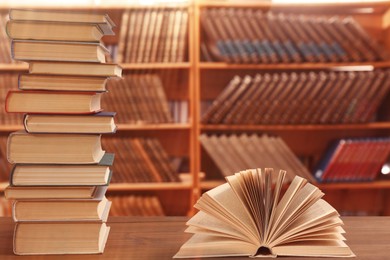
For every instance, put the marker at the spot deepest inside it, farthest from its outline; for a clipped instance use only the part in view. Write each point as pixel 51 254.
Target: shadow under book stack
pixel 61 173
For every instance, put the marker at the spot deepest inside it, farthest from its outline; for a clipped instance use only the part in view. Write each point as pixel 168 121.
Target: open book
pixel 250 216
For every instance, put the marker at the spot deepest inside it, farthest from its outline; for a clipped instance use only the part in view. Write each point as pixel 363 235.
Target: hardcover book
pixel 99 123
pixel 52 102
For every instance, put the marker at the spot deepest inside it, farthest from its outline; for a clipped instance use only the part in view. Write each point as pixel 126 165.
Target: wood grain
pixel 161 237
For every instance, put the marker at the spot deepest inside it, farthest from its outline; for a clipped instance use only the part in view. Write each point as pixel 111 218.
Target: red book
pixel 53 102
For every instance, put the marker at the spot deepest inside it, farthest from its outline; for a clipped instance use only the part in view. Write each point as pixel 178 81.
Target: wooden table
pixel 160 238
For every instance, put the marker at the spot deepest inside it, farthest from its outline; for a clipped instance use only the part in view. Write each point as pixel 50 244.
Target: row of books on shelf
pixel 153 35
pixel 61 164
pixel 140 160
pixel 250 35
pixel 138 98
pixel 161 35
pixel 232 153
pixel 346 160
pixel 300 98
pixel 354 160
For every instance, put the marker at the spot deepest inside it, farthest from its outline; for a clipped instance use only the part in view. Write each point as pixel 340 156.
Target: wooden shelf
pixel 137 186
pixel 374 125
pixel 167 65
pixel 13 67
pixel 152 127
pixel 376 7
pixel 10 128
pixel 123 187
pixel 385 184
pixel 121 127
pixel 382 184
pixel 295 66
pixel 125 66
pixel 102 6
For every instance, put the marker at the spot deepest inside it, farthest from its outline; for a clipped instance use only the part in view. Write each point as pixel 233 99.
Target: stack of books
pixel 230 153
pixel 60 172
pixel 353 159
pixel 300 98
pixel 249 35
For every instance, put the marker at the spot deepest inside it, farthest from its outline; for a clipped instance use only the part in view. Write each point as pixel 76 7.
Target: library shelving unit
pixel 306 141
pixel 202 81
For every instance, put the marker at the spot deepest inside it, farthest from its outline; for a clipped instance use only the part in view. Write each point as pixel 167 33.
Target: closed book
pixel 75 69
pixel 60 238
pixel 96 209
pixel 53 31
pixel 99 123
pixel 52 102
pixel 63 174
pixel 102 20
pixel 62 83
pixel 27 50
pixel 54 148
pixel 68 192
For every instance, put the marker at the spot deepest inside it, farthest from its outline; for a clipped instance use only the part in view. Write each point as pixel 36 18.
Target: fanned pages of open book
pixel 251 216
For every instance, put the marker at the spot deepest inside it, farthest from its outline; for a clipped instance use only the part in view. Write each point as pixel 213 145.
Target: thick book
pixel 248 216
pixel 53 31
pixel 75 68
pixel 27 50
pixel 61 83
pixel 53 192
pixel 60 238
pixel 95 209
pixel 54 148
pixel 63 174
pixel 99 123
pixel 102 20
pixel 52 102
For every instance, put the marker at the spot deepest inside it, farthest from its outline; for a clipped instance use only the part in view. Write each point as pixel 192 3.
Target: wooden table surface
pixel 161 237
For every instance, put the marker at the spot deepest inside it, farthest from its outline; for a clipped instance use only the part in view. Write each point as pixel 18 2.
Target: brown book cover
pixel 354 97
pixel 369 113
pixel 307 109
pixel 131 35
pixel 166 57
pixel 144 35
pixel 355 28
pixel 338 100
pixel 231 114
pixel 266 111
pixel 212 39
pixel 175 35
pixel 183 39
pixel 150 34
pixel 230 103
pixel 136 36
pixel 228 91
pixel 123 37
pixel 286 110
pixel 321 101
pixel 248 101
pixel 377 91
pixel 158 31
pixel 299 103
